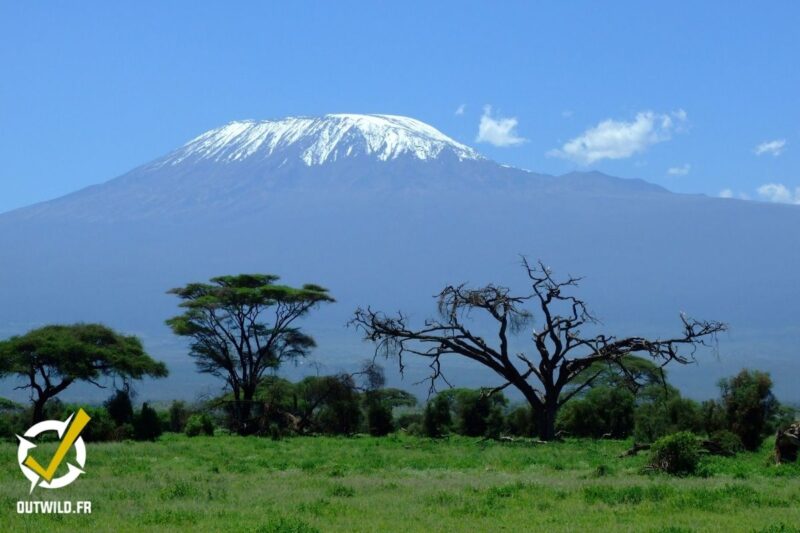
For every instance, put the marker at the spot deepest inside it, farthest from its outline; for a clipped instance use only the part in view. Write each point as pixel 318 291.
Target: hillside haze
pixel 385 211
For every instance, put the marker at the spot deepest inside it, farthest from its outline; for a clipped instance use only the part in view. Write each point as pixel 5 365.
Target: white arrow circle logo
pixel 25 446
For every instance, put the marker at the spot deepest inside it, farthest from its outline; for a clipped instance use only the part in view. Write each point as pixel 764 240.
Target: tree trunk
pixel 245 412
pixel 38 409
pixel 546 421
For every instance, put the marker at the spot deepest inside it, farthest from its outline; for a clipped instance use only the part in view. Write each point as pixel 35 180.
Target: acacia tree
pixel 241 327
pixel 561 351
pixel 52 358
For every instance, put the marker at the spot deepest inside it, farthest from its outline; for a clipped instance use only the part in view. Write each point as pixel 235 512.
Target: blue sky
pixel 634 89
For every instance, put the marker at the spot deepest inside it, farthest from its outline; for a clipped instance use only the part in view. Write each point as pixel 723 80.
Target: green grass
pixel 228 483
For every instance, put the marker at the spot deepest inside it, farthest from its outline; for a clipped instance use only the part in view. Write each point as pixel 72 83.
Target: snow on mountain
pixel 322 139
pixel 385 211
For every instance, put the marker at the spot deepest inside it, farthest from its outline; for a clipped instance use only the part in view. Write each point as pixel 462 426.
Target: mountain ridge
pixel 334 154
pixel 391 233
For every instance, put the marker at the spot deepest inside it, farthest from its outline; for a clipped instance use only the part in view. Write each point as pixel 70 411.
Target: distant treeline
pixel 350 404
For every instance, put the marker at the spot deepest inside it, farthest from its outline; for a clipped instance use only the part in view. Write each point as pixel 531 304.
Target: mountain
pixel 386 210
pixel 242 165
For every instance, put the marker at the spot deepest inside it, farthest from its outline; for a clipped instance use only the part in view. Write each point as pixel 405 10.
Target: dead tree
pixel 561 352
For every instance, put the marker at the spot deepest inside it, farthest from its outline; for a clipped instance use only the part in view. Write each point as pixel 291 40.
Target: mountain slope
pixel 385 211
pixel 241 166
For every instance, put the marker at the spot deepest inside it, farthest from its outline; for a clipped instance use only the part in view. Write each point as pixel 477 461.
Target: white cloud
pixel 776 192
pixel 679 171
pixel 726 193
pixel 774 148
pixel 498 131
pixel 613 139
pixel 460 109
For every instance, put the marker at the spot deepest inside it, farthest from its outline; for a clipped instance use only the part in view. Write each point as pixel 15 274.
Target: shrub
pixel 147 424
pixel 520 423
pixel 409 419
pixel 178 416
pixel 749 405
pixel 436 420
pixel 713 415
pixel 199 424
pixel 119 407
pixel 14 419
pixel 479 414
pixel 725 442
pixel 379 419
pixel 662 411
pixel 102 426
pixel 604 411
pixel 331 403
pixel 677 454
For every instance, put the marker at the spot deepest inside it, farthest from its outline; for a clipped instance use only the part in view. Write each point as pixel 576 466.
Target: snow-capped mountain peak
pixel 323 139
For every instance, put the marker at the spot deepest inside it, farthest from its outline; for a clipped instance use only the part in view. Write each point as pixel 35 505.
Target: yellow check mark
pixel 74 430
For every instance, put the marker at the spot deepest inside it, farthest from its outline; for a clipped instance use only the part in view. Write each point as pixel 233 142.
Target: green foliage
pixel 379 418
pixel 661 411
pixel 199 424
pixel 713 414
pixel 119 407
pixel 726 442
pixel 13 419
pixel 241 327
pixel 477 412
pixel 603 411
pixel 676 454
pixel 178 416
pixel 341 410
pixel 629 372
pixel 437 420
pixel 471 412
pixel 102 426
pixel 411 422
pixel 380 404
pixel 749 405
pixel 520 422
pixel 51 358
pixel 283 524
pixel 147 424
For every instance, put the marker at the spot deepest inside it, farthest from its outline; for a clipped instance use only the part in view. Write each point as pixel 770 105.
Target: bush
pixel 520 423
pixel 200 424
pixel 379 419
pixel 119 407
pixel 713 416
pixel 749 405
pixel 102 426
pixel 677 454
pixel 406 420
pixel 725 442
pixel 662 411
pixel 331 403
pixel 478 413
pixel 436 420
pixel 147 424
pixel 602 412
pixel 178 416
pixel 14 419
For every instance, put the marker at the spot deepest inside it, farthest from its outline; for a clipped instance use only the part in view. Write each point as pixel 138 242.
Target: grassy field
pixel 228 483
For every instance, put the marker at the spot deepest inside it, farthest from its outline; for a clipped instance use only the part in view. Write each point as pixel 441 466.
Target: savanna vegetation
pixel 598 438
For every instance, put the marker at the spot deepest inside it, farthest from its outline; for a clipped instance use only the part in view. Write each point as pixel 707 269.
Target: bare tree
pixel 561 353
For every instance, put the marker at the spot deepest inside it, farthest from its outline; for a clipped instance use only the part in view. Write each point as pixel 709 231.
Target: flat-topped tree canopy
pixel 241 326
pixel 53 357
